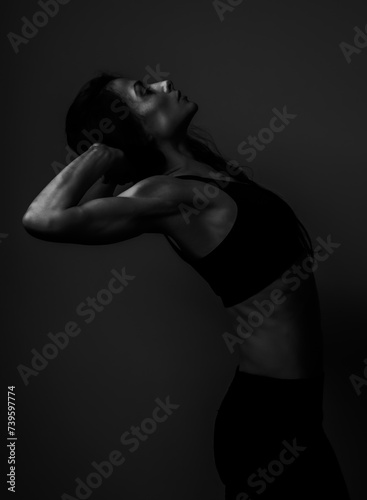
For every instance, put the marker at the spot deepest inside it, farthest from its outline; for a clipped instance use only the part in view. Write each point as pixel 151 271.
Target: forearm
pixel 68 187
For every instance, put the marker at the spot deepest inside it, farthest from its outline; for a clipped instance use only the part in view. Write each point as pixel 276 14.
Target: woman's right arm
pixel 148 206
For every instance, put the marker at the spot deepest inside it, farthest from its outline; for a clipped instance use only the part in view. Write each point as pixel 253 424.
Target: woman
pixel 242 238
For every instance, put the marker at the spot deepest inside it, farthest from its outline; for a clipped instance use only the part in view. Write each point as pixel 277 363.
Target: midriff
pixel 279 328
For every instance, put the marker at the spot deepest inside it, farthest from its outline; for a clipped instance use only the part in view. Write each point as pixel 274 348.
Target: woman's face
pixel 164 112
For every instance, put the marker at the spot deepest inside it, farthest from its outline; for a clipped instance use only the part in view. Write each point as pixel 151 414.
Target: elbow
pixel 29 222
pixel 39 227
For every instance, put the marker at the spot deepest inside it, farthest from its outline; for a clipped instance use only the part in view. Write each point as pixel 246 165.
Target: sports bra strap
pixel 200 177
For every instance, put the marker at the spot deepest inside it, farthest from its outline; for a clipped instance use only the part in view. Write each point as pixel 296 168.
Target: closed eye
pixel 140 89
pixel 147 90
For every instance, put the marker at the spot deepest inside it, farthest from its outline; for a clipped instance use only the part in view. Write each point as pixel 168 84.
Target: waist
pixel 277 400
pixel 278 331
pixel 315 380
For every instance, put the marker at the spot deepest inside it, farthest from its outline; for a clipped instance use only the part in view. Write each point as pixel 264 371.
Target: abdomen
pixel 279 328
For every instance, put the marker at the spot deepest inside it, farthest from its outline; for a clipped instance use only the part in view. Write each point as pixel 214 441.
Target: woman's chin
pixel 192 103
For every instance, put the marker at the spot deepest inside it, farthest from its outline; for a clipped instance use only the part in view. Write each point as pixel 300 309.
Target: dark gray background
pixel 163 334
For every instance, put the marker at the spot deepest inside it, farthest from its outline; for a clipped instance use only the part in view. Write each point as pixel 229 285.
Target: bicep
pixel 110 220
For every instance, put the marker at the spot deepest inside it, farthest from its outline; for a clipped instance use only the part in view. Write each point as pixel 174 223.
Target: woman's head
pixel 124 114
pixel 127 114
pixel 163 112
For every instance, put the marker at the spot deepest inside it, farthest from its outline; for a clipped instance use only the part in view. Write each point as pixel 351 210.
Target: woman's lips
pixel 180 96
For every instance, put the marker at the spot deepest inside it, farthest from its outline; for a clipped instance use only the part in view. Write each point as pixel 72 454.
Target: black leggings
pixel 269 442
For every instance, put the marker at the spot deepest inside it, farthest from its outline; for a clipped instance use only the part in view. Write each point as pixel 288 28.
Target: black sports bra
pixel 262 243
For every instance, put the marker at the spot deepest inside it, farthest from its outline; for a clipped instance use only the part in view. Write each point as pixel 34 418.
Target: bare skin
pixel 288 343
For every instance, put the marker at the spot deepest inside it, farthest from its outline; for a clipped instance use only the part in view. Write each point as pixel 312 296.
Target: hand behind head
pixel 119 170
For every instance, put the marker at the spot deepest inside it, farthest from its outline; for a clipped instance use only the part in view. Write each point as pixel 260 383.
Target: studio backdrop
pixel 102 340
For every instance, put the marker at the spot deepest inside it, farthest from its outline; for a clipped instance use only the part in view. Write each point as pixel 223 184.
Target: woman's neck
pixel 179 160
